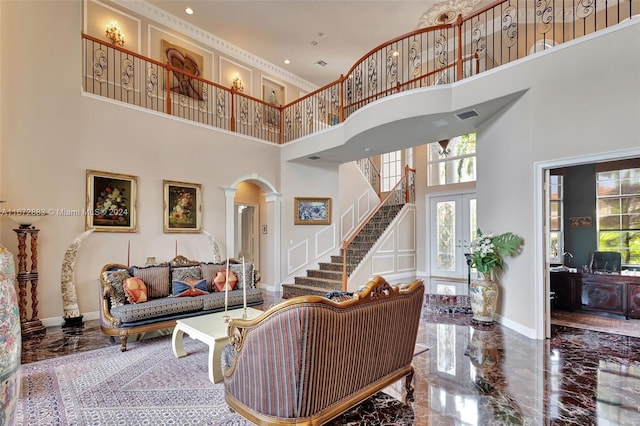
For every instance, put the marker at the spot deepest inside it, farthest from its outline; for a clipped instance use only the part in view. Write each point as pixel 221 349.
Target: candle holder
pixel 226 318
pixel 244 314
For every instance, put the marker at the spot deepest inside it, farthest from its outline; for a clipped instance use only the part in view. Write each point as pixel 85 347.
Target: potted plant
pixel 488 253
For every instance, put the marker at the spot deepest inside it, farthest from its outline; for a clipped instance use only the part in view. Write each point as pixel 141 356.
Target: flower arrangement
pixel 488 251
pixel 181 212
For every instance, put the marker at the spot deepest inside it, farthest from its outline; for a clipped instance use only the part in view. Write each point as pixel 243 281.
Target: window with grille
pixel 618 213
pixel 452 161
pixel 556 218
pixel 391 171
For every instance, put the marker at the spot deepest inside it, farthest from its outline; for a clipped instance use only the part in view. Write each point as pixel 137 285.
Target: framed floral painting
pixel 111 202
pixel 182 207
pixel 312 211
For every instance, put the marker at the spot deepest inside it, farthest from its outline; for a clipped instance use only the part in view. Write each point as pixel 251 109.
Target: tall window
pixel 618 213
pixel 452 161
pixel 391 170
pixel 556 235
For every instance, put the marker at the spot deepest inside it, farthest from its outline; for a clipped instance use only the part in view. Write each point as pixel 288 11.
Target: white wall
pixel 51 134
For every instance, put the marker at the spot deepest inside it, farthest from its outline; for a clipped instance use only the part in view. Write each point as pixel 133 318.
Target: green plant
pixel 488 251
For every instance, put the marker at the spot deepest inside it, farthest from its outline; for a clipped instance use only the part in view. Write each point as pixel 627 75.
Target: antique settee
pixel 308 359
pixel 176 289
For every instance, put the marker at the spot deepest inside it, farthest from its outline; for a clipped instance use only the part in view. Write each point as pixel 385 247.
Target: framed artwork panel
pixel 182 206
pixel 111 202
pixel 312 211
pixel 273 96
pixel 188 62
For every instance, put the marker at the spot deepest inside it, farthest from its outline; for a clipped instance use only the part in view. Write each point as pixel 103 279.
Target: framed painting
pixel 312 211
pixel 186 62
pixel 272 95
pixel 182 207
pixel 111 202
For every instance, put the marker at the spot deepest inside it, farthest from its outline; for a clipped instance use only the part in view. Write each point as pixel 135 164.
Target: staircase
pixel 329 277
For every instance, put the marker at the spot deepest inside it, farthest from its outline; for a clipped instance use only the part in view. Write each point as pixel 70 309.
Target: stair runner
pixel 329 277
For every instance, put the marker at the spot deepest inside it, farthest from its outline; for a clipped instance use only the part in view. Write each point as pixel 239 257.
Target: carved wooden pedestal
pixel 24 277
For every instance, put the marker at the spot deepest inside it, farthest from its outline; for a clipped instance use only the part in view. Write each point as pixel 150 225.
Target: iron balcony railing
pixel 495 35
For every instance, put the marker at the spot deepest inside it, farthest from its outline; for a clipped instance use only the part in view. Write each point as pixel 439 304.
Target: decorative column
pixel 24 277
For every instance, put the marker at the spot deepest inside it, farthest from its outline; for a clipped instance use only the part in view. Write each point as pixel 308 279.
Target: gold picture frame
pixel 312 211
pixel 111 202
pixel 182 207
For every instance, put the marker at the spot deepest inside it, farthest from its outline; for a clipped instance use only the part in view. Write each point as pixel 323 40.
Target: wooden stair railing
pixel 402 193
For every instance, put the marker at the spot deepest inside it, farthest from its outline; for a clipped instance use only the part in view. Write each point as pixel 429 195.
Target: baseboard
pixel 525 331
pixel 57 321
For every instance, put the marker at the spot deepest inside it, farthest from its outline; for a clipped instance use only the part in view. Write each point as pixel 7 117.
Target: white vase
pixel 10 339
pixel 484 299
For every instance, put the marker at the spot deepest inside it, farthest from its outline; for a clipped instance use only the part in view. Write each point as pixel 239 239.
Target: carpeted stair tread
pixel 293 290
pixel 319 282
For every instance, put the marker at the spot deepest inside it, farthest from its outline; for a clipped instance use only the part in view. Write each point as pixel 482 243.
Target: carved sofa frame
pixel 309 359
pixel 162 313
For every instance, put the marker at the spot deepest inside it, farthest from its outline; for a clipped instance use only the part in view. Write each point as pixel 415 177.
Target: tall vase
pixel 10 339
pixel 484 299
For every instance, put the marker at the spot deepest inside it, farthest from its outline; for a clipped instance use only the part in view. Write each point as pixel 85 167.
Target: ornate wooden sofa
pixel 119 317
pixel 308 359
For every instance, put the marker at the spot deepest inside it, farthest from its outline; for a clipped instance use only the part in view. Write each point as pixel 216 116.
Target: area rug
pixel 596 323
pixel 146 385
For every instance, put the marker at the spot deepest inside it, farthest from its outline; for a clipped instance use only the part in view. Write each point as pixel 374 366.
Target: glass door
pixel 452 228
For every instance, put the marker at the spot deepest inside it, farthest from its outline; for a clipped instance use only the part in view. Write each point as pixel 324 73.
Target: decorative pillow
pixel 189 288
pixel 115 279
pixel 186 273
pixel 209 271
pixel 156 278
pixel 237 269
pixel 221 279
pixel 135 290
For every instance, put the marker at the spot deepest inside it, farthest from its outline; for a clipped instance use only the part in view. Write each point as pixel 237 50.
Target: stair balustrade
pixel 358 244
pixel 495 35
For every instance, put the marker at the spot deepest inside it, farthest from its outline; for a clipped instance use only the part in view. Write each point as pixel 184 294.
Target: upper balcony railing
pixel 495 35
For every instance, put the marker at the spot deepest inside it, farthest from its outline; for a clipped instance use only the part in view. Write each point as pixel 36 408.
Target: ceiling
pixel 307 31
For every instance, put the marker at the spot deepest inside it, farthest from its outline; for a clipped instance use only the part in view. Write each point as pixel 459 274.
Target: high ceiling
pixel 307 31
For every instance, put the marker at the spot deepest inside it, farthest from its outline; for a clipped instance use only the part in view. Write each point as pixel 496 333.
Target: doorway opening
pixel 247 237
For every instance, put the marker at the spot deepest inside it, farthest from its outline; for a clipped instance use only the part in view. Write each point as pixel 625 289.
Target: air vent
pixel 467 114
pixel 321 63
pixel 313 157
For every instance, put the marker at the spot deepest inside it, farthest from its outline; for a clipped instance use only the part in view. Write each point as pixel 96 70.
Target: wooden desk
pixel 609 293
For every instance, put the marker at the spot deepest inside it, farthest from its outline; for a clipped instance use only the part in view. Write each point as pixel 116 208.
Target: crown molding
pixel 160 16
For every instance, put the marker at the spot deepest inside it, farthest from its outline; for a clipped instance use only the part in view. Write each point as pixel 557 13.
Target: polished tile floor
pixel 475 375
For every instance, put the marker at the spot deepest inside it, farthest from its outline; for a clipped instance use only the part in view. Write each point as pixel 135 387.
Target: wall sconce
pixel 237 83
pixel 114 33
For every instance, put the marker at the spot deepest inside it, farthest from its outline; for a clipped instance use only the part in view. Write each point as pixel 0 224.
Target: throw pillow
pixel 186 273
pixel 189 288
pixel 156 278
pixel 221 279
pixel 209 271
pixel 242 277
pixel 115 279
pixel 135 290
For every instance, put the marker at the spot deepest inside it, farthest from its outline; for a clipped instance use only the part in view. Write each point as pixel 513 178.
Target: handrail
pixel 405 184
pixel 504 30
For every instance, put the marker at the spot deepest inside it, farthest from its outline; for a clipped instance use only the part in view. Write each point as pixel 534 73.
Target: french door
pixel 452 228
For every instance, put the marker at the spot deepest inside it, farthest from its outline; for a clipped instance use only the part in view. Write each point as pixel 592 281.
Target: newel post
pixel 233 110
pixel 341 110
pixel 168 86
pixel 459 61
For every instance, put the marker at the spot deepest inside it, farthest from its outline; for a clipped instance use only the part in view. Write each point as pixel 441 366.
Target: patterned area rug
pixel 146 385
pixel 597 323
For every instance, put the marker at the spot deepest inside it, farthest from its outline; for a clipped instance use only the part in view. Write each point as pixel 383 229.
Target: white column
pixel 230 195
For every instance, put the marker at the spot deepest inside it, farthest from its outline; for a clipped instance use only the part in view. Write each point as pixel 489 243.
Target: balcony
pixel 500 33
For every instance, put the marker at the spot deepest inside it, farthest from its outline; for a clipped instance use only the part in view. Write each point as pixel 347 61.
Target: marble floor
pixel 474 375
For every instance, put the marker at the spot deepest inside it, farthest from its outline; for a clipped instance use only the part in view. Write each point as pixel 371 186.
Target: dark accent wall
pixel 580 200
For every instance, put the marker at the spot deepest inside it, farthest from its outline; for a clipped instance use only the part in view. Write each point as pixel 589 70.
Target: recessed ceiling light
pixel 286 61
pixel 314 43
pixel 321 35
pixel 188 11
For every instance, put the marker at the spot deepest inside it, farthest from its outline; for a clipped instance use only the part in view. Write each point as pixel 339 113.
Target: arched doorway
pixel 252 214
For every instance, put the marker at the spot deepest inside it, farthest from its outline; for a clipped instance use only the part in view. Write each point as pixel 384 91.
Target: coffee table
pixel 212 330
